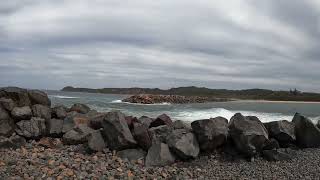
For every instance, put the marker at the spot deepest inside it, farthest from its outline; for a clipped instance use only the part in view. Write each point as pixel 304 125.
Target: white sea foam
pixel 138 104
pixel 116 101
pixel 214 112
pixel 63 97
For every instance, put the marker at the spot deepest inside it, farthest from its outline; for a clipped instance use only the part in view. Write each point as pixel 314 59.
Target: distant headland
pixel 247 94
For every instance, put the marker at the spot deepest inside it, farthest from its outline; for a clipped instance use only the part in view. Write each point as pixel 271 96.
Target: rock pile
pixel 27 115
pixel 174 99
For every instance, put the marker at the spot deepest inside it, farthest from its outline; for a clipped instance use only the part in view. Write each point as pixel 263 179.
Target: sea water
pixel 265 111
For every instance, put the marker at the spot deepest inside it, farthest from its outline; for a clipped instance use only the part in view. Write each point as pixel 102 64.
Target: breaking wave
pixel 63 97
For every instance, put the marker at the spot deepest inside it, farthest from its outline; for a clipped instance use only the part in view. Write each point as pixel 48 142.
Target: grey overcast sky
pixel 234 44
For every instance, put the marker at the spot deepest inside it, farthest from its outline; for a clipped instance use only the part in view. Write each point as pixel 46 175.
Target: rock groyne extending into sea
pixel 40 141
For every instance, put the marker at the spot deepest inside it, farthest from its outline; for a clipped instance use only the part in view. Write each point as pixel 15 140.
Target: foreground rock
pixel 277 155
pixel 184 144
pixel 18 95
pixel 80 108
pixel 59 112
pixel 282 131
pixel 95 142
pixel 161 120
pixel 248 134
pixel 13 142
pixel 211 133
pixel 6 123
pixel 307 133
pixel 54 127
pixel 39 97
pixel 116 131
pixel 21 113
pixel 132 154
pixel 78 135
pixel 41 111
pixel 33 128
pixel 7 104
pixel 142 136
pixel 175 99
pixel 159 155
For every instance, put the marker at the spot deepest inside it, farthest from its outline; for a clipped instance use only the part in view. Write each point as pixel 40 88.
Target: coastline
pixel 271 101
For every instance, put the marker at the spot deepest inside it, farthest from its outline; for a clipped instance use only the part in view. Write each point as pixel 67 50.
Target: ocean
pixel 265 111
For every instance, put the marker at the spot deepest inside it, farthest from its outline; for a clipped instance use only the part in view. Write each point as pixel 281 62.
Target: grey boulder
pixel 145 120
pixel 184 144
pixel 248 134
pixel 95 142
pixel 41 111
pixel 277 155
pixel 282 131
pixel 13 142
pixel 163 119
pixel 210 133
pixel 78 135
pixel 39 97
pixel 7 104
pixel 54 127
pixel 116 131
pixel 160 133
pixel 21 113
pixel 6 123
pixel 59 112
pixel 33 128
pixel 159 155
pixel 307 133
pixel 18 95
pixel 141 135
pixel 80 108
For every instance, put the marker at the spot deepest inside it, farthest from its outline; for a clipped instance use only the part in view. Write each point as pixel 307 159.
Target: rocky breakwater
pixel 27 119
pixel 174 99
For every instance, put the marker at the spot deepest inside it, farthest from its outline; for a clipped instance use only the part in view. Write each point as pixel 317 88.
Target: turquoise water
pixel 265 111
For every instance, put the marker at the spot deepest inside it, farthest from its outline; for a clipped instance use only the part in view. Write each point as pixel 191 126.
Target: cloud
pixel 217 44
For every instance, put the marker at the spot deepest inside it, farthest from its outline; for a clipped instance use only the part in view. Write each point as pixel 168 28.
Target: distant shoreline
pixel 275 101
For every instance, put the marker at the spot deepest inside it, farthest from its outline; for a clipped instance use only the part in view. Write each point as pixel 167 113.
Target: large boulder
pixel 54 127
pixel 74 119
pixel 21 113
pixel 282 131
pixel 178 124
pixel 13 142
pixel 248 134
pixel 183 143
pixel 132 154
pixel 80 108
pixel 33 128
pixel 141 135
pixel 210 133
pixel 159 155
pixel 7 104
pixel 78 135
pixel 95 121
pixel 160 133
pixel 41 111
pixel 277 155
pixel 39 97
pixel 116 131
pixel 145 120
pixel 161 120
pixel 6 123
pixel 130 120
pixel 18 95
pixel 307 133
pixel 59 112
pixel 95 142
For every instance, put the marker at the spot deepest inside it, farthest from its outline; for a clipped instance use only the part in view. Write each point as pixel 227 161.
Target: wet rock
pixel 41 111
pixel 160 133
pixel 7 104
pixel 132 154
pixel 141 135
pixel 33 128
pixel 159 155
pixel 276 155
pixel 248 134
pixel 307 134
pixel 6 123
pixel 78 135
pixel 39 97
pixel 13 142
pixel 282 131
pixel 145 120
pixel 21 113
pixel 18 95
pixel 54 127
pixel 210 133
pixel 161 120
pixel 95 142
pixel 59 112
pixel 80 108
pixel 183 143
pixel 116 131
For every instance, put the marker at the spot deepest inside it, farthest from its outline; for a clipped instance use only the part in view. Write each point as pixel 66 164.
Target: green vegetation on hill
pixel 252 94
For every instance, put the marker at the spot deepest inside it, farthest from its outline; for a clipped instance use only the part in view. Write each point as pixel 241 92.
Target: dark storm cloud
pixel 219 44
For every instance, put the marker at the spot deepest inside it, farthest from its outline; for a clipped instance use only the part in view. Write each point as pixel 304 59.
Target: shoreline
pixel 271 101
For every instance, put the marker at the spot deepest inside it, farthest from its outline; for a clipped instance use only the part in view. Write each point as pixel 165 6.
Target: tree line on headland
pixel 247 94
